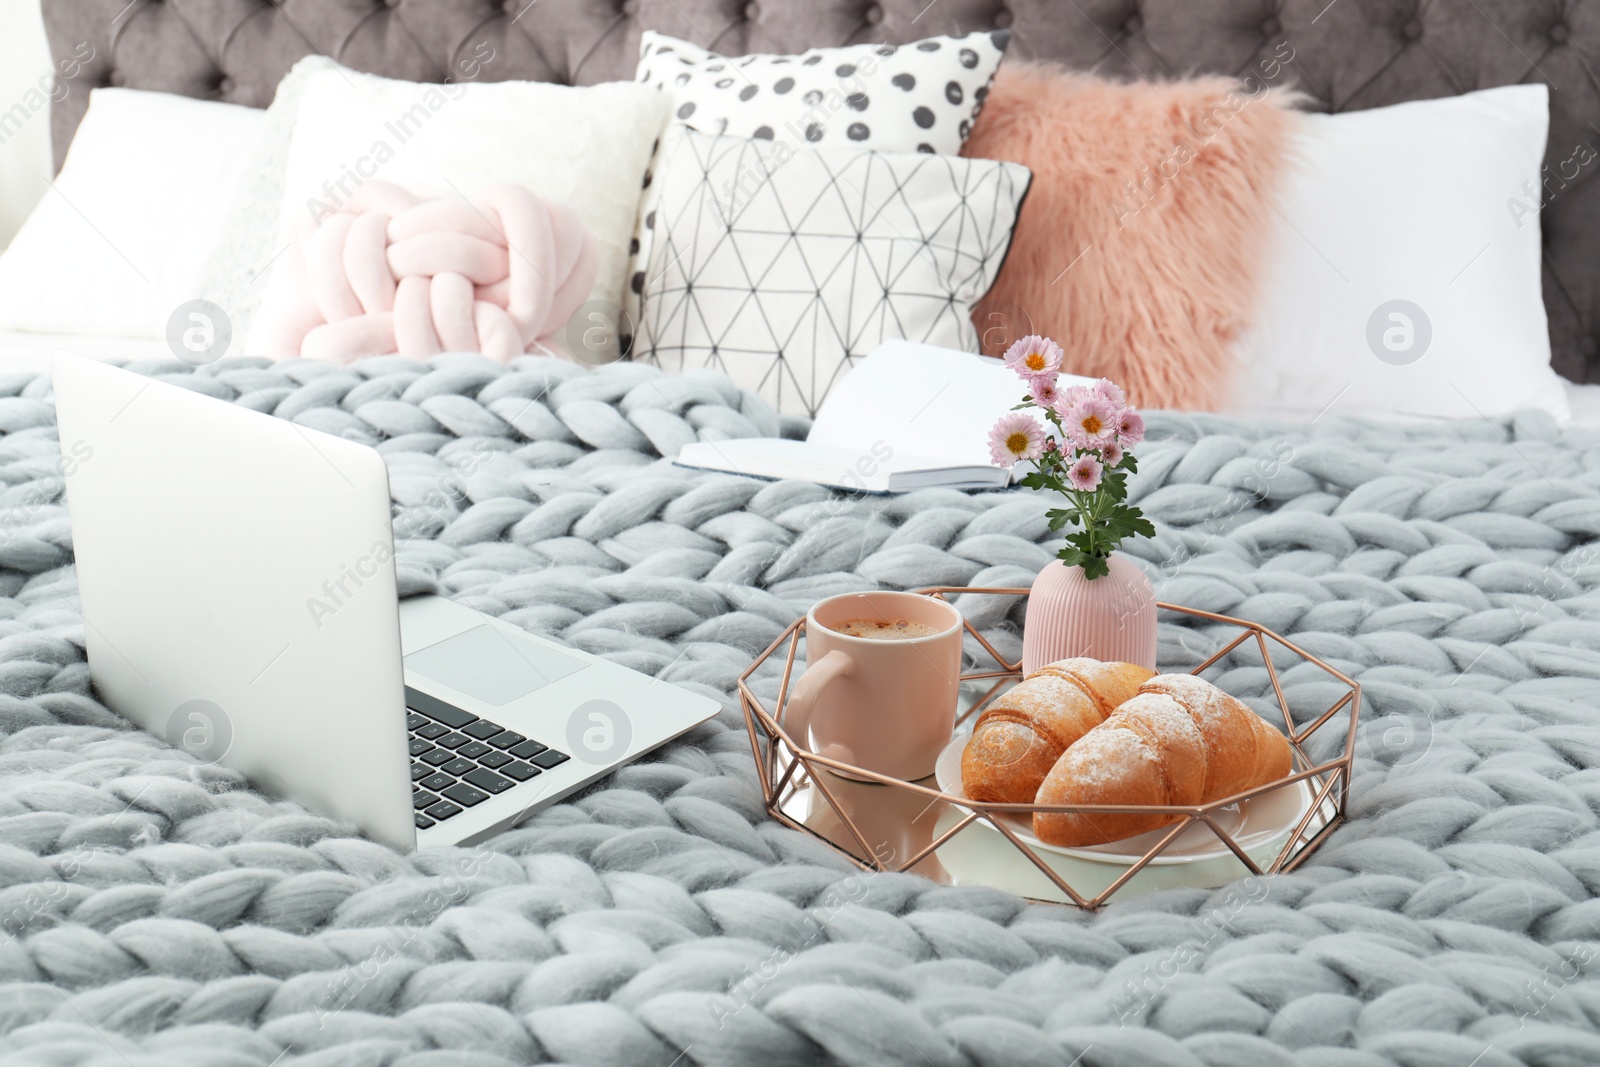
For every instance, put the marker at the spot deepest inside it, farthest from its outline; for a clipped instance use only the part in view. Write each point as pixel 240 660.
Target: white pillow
pixel 237 267
pixel 830 252
pixel 587 147
pixel 1405 272
pixel 117 244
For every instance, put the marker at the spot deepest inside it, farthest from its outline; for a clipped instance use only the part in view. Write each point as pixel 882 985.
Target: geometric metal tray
pixel 890 824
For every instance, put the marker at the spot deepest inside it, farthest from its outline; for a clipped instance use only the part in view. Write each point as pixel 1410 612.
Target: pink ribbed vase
pixel 1111 618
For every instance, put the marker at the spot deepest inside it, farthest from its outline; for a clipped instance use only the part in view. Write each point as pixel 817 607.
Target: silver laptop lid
pixel 237 584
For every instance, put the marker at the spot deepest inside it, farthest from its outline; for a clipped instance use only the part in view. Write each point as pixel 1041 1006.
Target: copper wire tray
pixel 847 796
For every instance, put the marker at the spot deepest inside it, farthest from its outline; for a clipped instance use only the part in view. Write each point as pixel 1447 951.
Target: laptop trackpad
pixel 491 665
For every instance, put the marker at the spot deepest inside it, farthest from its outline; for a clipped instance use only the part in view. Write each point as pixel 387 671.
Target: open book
pixel 909 416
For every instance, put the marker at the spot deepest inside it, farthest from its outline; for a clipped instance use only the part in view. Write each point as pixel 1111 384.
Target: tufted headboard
pixel 1349 54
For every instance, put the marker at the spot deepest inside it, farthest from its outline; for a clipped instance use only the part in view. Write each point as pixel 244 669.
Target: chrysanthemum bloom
pixel 1043 392
pixel 1130 428
pixel 1091 422
pixel 1071 397
pixel 1111 453
pixel 1111 393
pixel 1015 437
pixel 1085 474
pixel 1034 357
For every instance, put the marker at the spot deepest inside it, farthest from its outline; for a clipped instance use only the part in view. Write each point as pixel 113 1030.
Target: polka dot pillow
pixel 920 97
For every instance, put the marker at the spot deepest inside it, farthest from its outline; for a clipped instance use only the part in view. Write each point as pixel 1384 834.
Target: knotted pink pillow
pixel 390 272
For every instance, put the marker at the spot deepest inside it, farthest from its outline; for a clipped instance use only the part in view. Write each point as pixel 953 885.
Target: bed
pixel 161 910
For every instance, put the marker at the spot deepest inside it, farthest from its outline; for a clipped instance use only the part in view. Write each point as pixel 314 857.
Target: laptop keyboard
pixel 459 760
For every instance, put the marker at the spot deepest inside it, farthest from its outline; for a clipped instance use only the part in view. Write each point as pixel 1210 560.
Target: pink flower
pixel 1050 445
pixel 1043 391
pixel 1111 393
pixel 1091 421
pixel 1070 397
pixel 1111 453
pixel 1015 437
pixel 1085 474
pixel 1130 427
pixel 1034 357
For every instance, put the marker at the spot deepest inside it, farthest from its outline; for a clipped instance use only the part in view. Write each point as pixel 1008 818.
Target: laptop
pixel 237 582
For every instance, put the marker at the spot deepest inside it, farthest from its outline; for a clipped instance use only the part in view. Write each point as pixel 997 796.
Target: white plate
pixel 1259 825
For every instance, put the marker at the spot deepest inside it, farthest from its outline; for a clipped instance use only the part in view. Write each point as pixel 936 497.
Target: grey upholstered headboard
pixel 1349 54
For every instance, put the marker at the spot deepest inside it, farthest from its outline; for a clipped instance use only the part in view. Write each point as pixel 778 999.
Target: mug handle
pixel 807 696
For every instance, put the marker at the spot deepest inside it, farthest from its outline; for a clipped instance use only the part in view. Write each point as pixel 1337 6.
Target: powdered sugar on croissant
pixel 1019 737
pixel 1178 741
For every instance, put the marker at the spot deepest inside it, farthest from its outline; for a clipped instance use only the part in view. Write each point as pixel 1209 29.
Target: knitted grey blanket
pixel 156 910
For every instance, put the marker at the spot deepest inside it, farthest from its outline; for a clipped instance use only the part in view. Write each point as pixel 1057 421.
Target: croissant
pixel 1020 736
pixel 1179 740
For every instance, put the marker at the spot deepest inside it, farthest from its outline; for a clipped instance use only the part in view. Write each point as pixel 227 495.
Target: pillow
pixel 237 266
pixel 816 258
pixel 116 245
pixel 919 97
pixel 907 98
pixel 390 273
pixel 1141 245
pixel 1405 275
pixel 584 147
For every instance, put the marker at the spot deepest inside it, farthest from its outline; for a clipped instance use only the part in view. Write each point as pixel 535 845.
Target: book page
pixel 873 469
pixel 770 457
pixel 920 400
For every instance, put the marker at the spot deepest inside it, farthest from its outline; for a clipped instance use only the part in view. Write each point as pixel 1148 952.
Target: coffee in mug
pixel 883 673
pixel 884 629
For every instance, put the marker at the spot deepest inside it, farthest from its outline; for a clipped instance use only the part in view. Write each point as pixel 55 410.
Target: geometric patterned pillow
pixel 783 268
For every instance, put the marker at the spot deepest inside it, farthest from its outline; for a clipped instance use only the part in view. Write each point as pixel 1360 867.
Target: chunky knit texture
pixel 157 911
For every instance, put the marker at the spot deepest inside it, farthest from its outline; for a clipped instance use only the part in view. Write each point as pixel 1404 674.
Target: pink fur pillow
pixel 1141 242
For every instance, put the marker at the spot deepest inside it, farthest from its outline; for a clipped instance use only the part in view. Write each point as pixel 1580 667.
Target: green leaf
pixel 1071 557
pixel 1060 517
pixel 1035 480
pixel 1097 522
pixel 1094 565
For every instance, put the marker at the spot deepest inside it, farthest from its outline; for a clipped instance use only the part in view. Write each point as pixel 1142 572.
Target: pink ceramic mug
pixel 883 705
